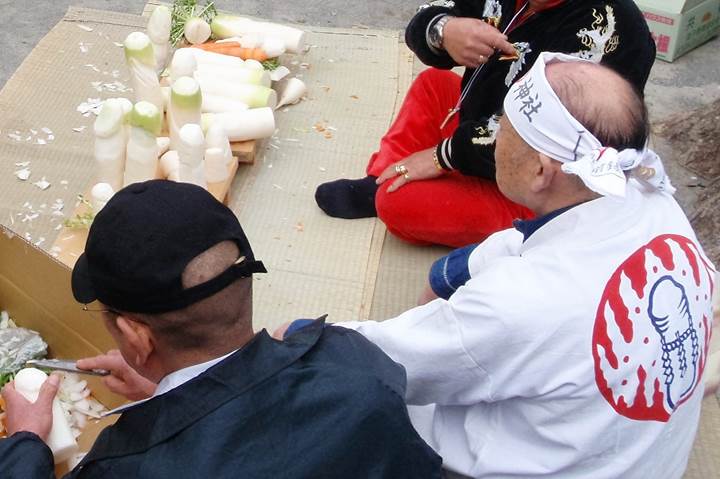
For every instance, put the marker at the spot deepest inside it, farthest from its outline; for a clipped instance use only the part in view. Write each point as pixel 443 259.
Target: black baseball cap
pixel 140 243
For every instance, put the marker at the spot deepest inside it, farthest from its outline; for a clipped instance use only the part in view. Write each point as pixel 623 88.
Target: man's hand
pixel 419 166
pixel 22 415
pixel 471 42
pixel 123 379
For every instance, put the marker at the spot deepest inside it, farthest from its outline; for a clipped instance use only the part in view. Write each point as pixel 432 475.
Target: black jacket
pixel 612 31
pixel 326 403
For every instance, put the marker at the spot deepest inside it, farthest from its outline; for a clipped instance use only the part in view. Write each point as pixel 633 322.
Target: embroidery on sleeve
pixel 601 38
pixel 522 48
pixel 492 13
pixel 486 134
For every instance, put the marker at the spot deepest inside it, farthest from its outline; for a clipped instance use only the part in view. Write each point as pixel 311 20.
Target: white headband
pixel 543 122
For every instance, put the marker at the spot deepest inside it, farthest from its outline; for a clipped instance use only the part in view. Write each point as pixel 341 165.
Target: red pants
pixel 454 209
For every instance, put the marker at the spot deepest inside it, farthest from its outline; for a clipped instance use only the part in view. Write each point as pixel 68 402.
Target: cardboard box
pixel 678 26
pixel 35 290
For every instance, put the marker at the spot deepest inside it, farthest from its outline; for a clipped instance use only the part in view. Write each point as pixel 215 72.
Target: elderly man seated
pixel 576 345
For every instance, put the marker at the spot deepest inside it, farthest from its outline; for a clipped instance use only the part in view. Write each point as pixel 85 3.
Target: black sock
pixel 349 199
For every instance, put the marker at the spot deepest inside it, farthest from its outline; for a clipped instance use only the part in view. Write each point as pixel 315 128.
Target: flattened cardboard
pixel 44 93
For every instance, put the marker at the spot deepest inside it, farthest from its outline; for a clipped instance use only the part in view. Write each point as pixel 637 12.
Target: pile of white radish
pixel 203 100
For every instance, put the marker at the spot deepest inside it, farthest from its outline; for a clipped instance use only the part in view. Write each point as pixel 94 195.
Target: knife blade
pixel 65 365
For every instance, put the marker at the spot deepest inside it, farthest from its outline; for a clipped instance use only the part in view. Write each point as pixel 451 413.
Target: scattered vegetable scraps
pixel 83 220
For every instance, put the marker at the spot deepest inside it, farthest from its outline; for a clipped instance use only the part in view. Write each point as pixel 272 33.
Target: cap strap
pixel 204 290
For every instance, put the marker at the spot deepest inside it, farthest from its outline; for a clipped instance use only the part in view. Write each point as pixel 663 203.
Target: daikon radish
pixel 163 144
pixel 197 31
pixel 221 104
pixel 218 155
pixel 100 195
pixel 170 166
pixel 254 64
pixel 216 137
pixel 127 107
pixel 183 64
pixel 216 166
pixel 143 74
pixel 61 441
pixel 158 30
pixel 255 96
pixel 291 91
pixel 142 149
pixel 185 107
pixel 249 40
pixel 191 152
pixel 274 47
pixel 203 57
pixel 252 124
pixel 234 75
pixel 110 144
pixel 226 26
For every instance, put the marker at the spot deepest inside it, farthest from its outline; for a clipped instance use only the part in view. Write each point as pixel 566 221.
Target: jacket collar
pixel 160 418
pixel 591 222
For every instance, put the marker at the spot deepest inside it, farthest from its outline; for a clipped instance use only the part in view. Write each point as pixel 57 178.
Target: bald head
pixel 602 101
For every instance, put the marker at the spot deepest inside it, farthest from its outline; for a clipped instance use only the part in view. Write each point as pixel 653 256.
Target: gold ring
pixel 406 176
pixel 401 169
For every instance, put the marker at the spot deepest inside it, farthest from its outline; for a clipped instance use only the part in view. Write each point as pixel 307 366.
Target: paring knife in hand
pixel 65 365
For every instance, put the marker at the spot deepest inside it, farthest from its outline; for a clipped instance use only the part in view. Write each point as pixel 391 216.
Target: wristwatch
pixel 435 34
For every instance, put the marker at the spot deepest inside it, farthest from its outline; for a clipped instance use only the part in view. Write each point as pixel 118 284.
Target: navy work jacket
pixel 325 403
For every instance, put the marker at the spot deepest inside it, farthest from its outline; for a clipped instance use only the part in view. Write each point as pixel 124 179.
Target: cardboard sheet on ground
pixel 318 265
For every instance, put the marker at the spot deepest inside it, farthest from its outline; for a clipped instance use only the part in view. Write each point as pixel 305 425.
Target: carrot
pixel 234 49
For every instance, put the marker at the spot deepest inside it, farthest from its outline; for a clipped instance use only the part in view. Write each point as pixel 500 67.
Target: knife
pixel 65 365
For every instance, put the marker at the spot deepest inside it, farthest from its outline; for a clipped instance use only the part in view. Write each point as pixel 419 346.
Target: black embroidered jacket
pixel 612 32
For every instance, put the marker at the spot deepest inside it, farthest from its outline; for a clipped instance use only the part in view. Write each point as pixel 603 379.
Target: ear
pixel 138 337
pixel 542 174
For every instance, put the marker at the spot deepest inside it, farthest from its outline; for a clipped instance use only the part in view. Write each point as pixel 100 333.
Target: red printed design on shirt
pixel 653 329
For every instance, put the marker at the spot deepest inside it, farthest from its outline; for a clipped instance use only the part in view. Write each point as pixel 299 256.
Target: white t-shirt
pixel 578 353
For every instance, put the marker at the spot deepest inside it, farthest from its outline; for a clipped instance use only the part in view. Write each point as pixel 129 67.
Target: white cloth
pixel 543 122
pixel 174 380
pixel 514 377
